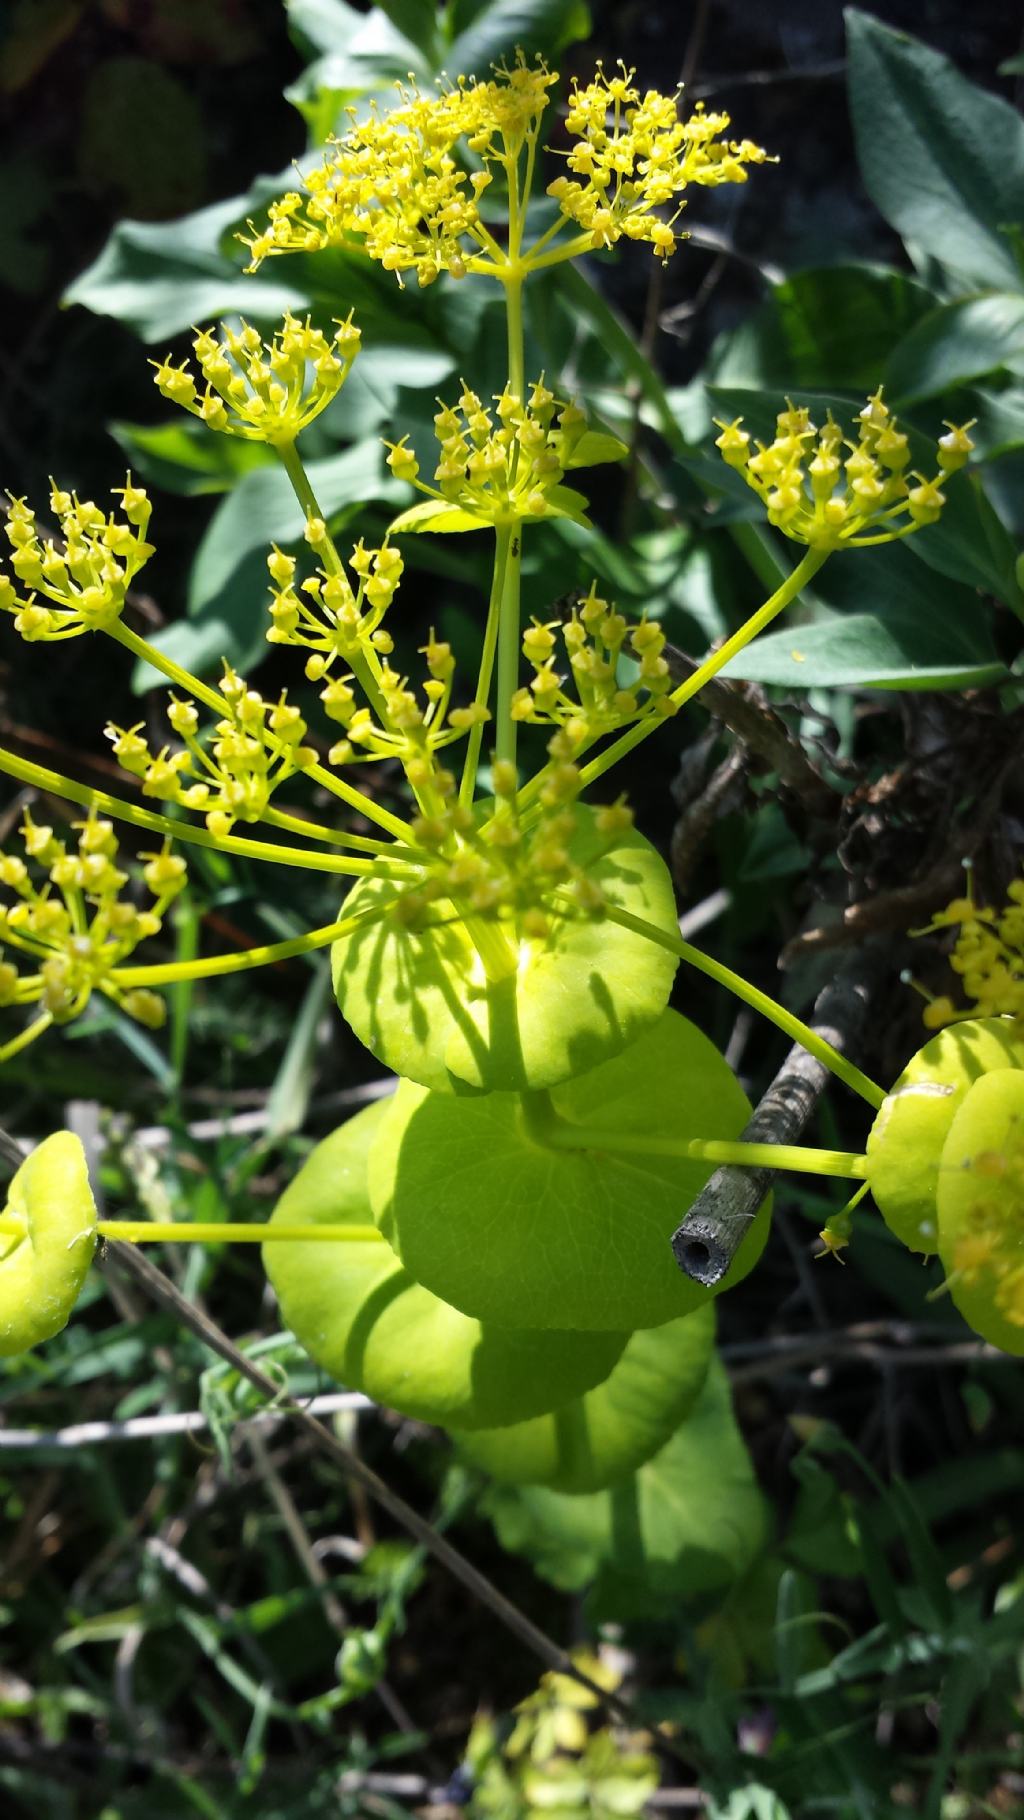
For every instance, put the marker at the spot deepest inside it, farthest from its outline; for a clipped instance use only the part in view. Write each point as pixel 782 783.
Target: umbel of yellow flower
pixel 505 465
pixel 828 490
pixel 401 185
pixel 76 928
pixel 634 155
pixel 78 584
pixel 255 747
pixel 988 956
pixel 264 391
pixel 593 639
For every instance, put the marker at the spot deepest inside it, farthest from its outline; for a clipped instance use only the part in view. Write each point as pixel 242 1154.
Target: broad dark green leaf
pixel 867 650
pixel 161 277
pixel 999 425
pixel 955 343
pixel 502 26
pixel 885 621
pixel 687 1523
pixel 828 327
pixel 942 159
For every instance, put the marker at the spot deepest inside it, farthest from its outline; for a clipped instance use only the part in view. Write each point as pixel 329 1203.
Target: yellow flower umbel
pixel 76 927
pixel 265 391
pixel 394 186
pixel 255 747
pixel 635 155
pixel 400 184
pixel 79 584
pixel 503 466
pixel 594 640
pixel 831 491
pixel 988 956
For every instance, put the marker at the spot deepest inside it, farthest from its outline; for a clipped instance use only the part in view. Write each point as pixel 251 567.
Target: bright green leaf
pixel 364 1319
pixel 689 1522
pixel 595 447
pixel 517 1231
pixel 606 1434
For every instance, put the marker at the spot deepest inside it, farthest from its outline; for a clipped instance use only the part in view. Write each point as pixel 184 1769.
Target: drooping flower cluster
pixel 77 926
pixel 77 584
pixel 825 498
pixel 594 639
pixel 988 956
pixel 634 155
pixel 508 464
pixel 255 747
pixel 393 184
pixel 264 391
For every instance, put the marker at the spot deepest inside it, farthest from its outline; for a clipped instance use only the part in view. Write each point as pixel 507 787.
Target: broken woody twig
pixel 706 1242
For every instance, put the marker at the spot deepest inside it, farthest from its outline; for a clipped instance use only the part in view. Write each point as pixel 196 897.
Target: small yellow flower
pixel 594 639
pixel 506 463
pixel 76 583
pixel 264 391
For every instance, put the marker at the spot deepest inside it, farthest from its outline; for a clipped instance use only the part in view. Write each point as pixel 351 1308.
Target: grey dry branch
pixel 127 1258
pixel 710 1235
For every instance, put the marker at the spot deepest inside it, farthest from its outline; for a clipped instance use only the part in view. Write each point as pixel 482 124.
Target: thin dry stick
pixel 170 1422
pixel 714 1228
pixel 166 1293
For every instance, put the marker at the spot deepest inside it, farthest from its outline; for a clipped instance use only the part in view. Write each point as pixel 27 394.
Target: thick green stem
pixel 498 956
pixel 27 1036
pixel 516 339
pixel 334 837
pixel 267 955
pixel 483 685
pixel 508 651
pixel 230 1232
pixel 800 1158
pixel 759 1001
pixel 175 673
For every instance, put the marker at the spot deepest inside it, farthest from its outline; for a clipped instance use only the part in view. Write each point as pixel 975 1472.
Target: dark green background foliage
pixel 854 1648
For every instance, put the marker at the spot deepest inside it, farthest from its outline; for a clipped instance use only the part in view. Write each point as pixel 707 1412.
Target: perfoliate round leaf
pixel 603 1436
pixel 913 1122
pixel 369 1324
pixel 422 1003
pixel 981 1208
pixel 513 1230
pixel 42 1272
pixel 687 1523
